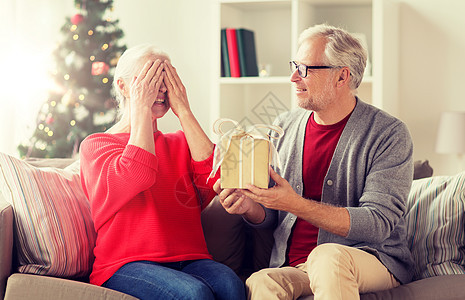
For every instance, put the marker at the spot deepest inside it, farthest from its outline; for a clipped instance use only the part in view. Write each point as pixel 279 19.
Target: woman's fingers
pixel 145 87
pixel 173 77
pixel 143 73
pixel 170 75
pixel 225 193
pixel 176 91
pixel 158 77
pixel 217 186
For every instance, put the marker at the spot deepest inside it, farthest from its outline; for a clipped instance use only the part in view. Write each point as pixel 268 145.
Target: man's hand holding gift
pixel 247 202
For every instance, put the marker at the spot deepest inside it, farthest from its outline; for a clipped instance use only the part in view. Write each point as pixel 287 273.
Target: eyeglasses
pixel 303 68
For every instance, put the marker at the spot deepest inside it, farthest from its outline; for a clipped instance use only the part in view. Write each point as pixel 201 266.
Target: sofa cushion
pixel 54 233
pixel 59 163
pixel 435 219
pixel 224 235
pixel 232 242
pixel 26 286
pixel 422 169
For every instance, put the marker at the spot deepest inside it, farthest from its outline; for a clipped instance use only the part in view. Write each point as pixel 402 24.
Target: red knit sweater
pixel 144 206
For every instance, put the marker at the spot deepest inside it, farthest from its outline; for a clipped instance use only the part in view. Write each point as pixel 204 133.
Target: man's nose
pixel 295 76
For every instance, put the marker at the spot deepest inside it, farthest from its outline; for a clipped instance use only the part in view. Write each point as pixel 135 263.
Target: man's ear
pixel 344 75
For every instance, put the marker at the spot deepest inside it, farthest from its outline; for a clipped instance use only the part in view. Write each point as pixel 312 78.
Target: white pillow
pixel 54 233
pixel 435 220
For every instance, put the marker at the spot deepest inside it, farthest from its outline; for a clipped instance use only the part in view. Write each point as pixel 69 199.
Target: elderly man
pixel 338 203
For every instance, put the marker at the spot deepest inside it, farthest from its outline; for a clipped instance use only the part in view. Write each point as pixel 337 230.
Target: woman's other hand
pixel 199 144
pixel 177 94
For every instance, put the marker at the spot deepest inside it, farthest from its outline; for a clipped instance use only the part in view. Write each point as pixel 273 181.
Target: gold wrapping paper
pixel 246 162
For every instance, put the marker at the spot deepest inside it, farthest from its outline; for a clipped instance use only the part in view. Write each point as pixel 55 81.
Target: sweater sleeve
pixel 113 173
pixel 387 185
pixel 204 185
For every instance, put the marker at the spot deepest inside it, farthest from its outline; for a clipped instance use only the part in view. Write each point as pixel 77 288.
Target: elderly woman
pixel 147 190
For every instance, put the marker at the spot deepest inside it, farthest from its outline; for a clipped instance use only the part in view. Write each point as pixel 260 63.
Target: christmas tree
pixel 81 103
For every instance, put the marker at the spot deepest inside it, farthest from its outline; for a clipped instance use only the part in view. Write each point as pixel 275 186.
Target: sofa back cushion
pixel 435 220
pixel 53 229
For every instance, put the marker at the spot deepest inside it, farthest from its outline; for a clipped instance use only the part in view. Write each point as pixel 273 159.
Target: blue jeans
pixel 196 279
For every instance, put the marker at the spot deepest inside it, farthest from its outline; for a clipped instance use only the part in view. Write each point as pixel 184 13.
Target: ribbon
pixel 247 132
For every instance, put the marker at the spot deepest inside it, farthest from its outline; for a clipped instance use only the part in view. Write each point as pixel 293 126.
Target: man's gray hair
pixel 342 49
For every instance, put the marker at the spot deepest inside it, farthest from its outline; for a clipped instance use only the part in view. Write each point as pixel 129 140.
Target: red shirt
pixel 319 145
pixel 144 206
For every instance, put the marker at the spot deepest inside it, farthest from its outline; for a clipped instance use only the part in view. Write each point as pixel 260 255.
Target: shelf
pixel 255 80
pixel 337 2
pixel 257 5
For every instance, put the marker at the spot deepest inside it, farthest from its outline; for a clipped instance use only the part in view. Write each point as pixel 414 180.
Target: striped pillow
pixel 435 220
pixel 54 233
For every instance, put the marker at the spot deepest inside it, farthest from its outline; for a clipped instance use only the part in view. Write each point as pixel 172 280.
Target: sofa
pixel 46 235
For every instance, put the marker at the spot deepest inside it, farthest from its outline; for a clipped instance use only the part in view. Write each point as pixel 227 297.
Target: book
pixel 224 55
pixel 222 67
pixel 233 52
pixel 247 53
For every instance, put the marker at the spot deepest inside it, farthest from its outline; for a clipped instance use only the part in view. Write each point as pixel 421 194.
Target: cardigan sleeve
pixel 386 187
pixel 113 173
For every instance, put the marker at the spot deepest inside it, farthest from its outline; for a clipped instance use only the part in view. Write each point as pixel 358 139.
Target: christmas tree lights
pixel 81 103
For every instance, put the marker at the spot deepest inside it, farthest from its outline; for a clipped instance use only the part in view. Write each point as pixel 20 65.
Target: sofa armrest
pixel 6 243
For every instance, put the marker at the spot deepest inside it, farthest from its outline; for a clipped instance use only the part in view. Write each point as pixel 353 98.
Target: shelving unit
pixel 277 25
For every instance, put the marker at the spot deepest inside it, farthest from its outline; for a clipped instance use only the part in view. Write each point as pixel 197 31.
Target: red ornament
pixel 77 19
pixel 99 68
pixel 49 120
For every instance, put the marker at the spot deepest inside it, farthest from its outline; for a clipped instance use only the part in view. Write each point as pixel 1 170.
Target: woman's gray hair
pixel 342 49
pixel 129 64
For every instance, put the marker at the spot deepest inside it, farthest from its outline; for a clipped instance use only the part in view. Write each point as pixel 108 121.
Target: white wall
pixel 431 67
pixel 181 28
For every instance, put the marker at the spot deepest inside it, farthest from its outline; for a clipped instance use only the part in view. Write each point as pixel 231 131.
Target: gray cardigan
pixel 370 174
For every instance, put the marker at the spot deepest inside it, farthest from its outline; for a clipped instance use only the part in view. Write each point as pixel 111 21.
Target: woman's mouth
pixel 159 101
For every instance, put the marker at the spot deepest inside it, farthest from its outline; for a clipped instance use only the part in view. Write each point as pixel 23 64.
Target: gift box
pixel 244 155
pixel 246 161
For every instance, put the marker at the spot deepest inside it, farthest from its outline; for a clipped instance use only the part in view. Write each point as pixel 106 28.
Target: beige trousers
pixel 332 272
